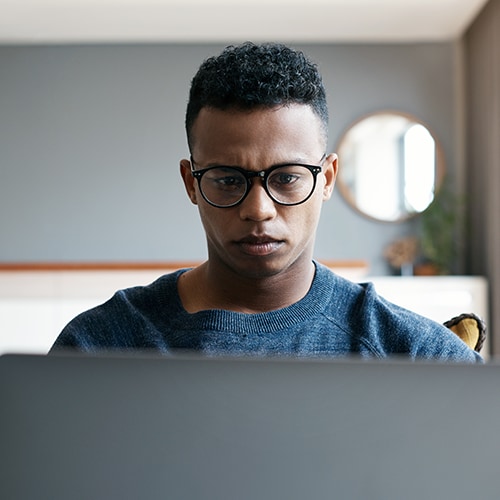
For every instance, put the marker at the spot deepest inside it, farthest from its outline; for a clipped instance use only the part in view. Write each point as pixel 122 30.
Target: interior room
pixel 92 102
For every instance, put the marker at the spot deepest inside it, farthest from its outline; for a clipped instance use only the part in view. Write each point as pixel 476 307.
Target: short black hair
pixel 250 76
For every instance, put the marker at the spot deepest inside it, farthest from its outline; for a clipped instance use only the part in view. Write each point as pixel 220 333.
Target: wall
pixel 91 137
pixel 482 42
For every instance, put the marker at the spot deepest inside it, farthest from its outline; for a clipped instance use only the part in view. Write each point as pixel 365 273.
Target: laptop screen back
pixel 188 428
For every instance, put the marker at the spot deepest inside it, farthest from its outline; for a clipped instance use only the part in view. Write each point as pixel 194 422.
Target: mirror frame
pixel 346 192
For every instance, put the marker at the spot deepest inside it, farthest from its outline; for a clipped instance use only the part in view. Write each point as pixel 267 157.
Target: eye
pixel 225 179
pixel 286 178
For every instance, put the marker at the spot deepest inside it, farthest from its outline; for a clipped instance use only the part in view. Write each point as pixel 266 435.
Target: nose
pixel 257 205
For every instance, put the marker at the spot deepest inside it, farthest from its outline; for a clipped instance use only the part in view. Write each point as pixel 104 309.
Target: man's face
pixel 259 237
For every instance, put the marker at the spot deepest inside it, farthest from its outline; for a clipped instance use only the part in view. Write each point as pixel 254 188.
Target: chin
pixel 259 268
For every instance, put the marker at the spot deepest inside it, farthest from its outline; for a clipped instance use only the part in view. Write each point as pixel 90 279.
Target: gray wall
pixel 91 137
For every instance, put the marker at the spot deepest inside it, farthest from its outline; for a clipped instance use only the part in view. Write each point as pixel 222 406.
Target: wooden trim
pixel 138 266
pixel 351 264
pixel 92 266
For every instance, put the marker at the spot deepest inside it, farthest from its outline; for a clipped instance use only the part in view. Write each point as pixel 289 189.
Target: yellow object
pixel 470 328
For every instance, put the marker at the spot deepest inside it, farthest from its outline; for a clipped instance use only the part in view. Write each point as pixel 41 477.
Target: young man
pixel 257 125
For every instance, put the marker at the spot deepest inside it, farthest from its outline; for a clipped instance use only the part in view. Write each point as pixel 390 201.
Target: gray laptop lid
pixel 188 428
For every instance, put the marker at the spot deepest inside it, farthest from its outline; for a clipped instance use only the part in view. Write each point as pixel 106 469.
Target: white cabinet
pixel 437 297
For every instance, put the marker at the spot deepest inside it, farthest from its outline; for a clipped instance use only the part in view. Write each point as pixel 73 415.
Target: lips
pixel 259 245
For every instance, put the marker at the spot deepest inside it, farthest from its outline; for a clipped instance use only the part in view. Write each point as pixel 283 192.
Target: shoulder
pixel 343 296
pixel 385 328
pixel 145 298
pixel 161 291
pixel 124 319
pixel 397 330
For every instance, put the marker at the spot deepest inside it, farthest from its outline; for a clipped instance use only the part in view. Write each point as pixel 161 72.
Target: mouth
pixel 259 245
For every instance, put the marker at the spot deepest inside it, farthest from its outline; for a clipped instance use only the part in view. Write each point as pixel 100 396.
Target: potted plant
pixel 439 227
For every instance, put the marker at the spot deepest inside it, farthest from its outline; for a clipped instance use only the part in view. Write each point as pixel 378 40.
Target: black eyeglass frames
pixel 286 184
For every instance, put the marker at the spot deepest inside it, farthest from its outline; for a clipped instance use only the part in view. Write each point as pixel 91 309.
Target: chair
pixel 470 328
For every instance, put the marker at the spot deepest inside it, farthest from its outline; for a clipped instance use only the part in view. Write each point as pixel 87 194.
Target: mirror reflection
pixel 390 166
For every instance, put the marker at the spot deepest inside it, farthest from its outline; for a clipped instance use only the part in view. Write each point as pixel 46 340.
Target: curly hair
pixel 249 76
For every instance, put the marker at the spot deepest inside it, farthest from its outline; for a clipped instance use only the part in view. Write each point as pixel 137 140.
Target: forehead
pixel 292 129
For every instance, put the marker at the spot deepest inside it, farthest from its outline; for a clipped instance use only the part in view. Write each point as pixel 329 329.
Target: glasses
pixel 287 184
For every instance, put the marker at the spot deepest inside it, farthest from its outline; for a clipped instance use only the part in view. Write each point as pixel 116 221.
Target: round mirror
pixel 390 166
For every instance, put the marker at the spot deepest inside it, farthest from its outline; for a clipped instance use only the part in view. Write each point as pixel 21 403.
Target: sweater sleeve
pixel 119 323
pixel 134 318
pixel 95 329
pixel 394 330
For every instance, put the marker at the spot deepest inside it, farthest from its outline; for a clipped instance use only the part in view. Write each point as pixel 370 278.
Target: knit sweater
pixel 335 318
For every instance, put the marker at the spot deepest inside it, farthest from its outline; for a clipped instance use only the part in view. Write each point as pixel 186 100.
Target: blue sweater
pixel 335 318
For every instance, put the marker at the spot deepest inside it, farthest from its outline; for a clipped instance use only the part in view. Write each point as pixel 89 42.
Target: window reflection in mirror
pixel 390 166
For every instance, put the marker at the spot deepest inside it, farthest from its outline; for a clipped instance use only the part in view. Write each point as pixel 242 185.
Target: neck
pixel 211 286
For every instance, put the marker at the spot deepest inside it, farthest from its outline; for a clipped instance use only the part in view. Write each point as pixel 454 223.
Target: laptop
pixel 184 427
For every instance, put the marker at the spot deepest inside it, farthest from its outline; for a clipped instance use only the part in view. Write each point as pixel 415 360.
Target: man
pixel 257 126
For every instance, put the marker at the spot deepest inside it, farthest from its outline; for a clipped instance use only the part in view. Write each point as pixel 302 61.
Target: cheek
pixel 302 221
pixel 313 211
pixel 215 221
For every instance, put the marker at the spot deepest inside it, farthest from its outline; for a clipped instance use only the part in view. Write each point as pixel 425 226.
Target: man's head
pixel 252 76
pixel 259 171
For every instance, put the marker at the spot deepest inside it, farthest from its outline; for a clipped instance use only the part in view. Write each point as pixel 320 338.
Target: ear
pixel 330 168
pixel 189 180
